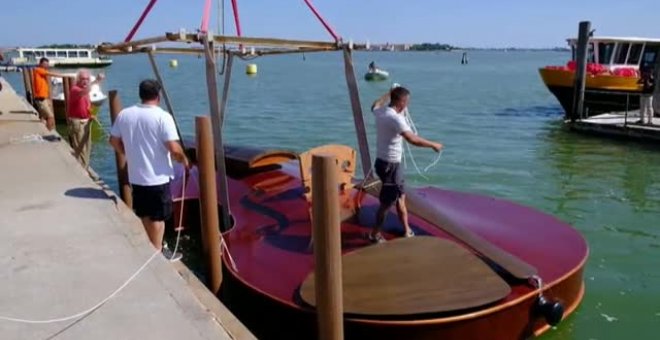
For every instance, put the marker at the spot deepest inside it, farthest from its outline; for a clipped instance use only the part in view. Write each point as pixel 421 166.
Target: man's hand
pixel 436 147
pixel 100 77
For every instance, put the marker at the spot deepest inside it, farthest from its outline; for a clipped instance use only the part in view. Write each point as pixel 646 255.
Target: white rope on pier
pixel 87 311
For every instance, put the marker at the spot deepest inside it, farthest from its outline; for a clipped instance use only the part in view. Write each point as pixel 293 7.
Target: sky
pixel 472 23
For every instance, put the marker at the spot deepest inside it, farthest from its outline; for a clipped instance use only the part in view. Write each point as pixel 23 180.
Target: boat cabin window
pixel 591 54
pixel 621 53
pixel 605 52
pixel 61 54
pixel 650 55
pixel 635 54
pixel 28 54
pixel 50 54
pixel 83 54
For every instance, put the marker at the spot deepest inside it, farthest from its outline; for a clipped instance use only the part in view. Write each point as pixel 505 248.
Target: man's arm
pixel 380 102
pixel 177 152
pixel 117 144
pixel 421 142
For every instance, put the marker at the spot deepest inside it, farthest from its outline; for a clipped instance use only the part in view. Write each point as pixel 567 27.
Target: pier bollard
pixel 209 202
pixel 66 90
pixel 27 84
pixel 327 248
pixel 120 160
pixel 580 71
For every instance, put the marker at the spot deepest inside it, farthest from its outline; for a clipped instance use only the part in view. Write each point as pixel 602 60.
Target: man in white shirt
pixel 147 135
pixel 391 129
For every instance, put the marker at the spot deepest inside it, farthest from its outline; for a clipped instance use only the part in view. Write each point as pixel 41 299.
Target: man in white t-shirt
pixel 391 129
pixel 147 135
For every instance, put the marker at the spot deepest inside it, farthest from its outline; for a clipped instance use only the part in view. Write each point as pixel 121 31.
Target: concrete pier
pixel 67 243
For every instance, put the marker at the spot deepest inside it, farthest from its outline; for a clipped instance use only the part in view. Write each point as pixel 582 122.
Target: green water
pixel 503 137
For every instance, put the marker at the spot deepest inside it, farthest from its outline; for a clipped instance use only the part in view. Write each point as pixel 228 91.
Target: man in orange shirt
pixel 41 93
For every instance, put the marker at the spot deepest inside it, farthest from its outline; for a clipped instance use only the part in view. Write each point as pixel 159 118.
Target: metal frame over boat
pixel 504 271
pixel 613 73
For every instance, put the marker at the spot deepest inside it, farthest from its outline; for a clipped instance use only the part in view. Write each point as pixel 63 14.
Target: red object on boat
pixel 625 72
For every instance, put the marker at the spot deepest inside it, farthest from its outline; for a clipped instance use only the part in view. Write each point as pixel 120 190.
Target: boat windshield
pixel 605 52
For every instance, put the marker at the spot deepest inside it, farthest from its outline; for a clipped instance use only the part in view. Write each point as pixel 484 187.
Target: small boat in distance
pixel 59 57
pixel 375 74
pixel 613 65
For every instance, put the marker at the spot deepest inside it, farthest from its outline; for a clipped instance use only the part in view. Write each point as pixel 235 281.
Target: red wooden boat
pixel 268 258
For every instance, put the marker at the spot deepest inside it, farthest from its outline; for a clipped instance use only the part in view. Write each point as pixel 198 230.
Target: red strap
pixel 205 17
pixel 234 6
pixel 139 22
pixel 325 24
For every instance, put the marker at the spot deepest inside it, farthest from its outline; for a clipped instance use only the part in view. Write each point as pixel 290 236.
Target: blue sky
pixel 475 23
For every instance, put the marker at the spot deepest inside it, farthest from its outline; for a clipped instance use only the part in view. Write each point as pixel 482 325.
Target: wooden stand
pixel 327 247
pixel 120 160
pixel 209 203
pixel 581 71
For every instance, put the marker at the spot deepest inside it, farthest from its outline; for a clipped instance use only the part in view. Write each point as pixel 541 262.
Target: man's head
pixel 43 62
pixel 83 78
pixel 149 90
pixel 399 98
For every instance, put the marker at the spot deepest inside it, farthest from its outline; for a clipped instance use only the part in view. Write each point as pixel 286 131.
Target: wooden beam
pixel 252 41
pixel 327 248
pixel 358 117
pixel 217 118
pixel 581 71
pixel 166 96
pixel 120 159
pixel 124 45
pixel 208 202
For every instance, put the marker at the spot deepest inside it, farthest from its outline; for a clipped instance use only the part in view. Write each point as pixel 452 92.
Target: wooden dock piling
pixel 209 202
pixel 581 71
pixel 120 160
pixel 327 248
pixel 27 83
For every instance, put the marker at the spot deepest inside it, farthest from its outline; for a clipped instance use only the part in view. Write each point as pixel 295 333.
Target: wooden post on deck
pixel 120 160
pixel 27 83
pixel 358 118
pixel 209 202
pixel 580 71
pixel 66 88
pixel 217 117
pixel 327 248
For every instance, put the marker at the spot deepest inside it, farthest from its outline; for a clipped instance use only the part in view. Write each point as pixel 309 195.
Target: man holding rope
pixel 391 129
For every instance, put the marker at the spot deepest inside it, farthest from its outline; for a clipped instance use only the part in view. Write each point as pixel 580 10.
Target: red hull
pixel 270 239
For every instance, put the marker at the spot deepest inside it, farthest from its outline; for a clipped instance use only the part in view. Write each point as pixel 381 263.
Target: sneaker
pixel 377 238
pixel 410 233
pixel 170 255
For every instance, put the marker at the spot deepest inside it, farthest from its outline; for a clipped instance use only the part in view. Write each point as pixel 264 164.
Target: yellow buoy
pixel 174 63
pixel 251 69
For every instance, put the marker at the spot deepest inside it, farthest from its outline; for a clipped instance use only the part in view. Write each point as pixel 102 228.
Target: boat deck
pixel 67 243
pixel 618 124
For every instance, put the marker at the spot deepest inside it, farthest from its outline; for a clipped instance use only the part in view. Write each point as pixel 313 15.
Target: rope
pixel 90 310
pixel 129 280
pixel 410 122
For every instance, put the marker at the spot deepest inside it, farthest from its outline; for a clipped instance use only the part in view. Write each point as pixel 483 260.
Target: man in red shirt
pixel 79 116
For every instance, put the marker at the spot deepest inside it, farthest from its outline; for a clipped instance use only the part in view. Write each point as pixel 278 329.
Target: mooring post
pixel 120 160
pixel 327 248
pixel 27 84
pixel 580 71
pixel 209 202
pixel 66 88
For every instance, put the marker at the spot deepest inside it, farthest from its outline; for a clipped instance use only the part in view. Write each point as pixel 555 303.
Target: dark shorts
pixel 391 175
pixel 154 201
